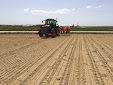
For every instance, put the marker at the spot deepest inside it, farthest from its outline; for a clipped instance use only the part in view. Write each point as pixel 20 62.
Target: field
pixel 31 28
pixel 75 59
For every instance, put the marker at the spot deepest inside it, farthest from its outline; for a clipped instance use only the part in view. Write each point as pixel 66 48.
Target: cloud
pixel 43 12
pixel 89 7
pixel 26 10
pixel 98 7
pixel 93 7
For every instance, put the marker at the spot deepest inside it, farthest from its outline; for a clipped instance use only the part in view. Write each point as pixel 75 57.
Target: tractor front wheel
pixel 53 33
pixel 40 34
pixel 46 34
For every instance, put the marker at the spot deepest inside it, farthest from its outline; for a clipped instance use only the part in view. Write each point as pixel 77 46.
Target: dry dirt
pixel 79 59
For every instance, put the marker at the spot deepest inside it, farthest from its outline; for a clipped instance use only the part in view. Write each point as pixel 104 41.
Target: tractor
pixel 50 27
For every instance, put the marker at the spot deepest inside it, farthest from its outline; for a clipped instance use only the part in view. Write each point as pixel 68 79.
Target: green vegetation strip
pixel 110 28
pixel 36 32
pixel 18 28
pixel 32 28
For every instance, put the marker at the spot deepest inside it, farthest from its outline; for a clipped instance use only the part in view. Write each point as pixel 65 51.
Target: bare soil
pixel 75 59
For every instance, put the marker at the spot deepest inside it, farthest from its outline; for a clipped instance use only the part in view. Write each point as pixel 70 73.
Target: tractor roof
pixel 51 19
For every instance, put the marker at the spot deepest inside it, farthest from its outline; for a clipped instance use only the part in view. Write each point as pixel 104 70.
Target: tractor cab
pixel 50 22
pixel 49 27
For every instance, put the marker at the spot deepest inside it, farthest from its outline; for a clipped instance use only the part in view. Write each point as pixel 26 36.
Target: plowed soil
pixel 79 59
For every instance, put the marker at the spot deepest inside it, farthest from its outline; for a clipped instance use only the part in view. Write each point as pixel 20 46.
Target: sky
pixel 67 12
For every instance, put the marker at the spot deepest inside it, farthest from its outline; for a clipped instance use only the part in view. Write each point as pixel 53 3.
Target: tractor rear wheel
pixel 40 34
pixel 58 31
pixel 53 33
